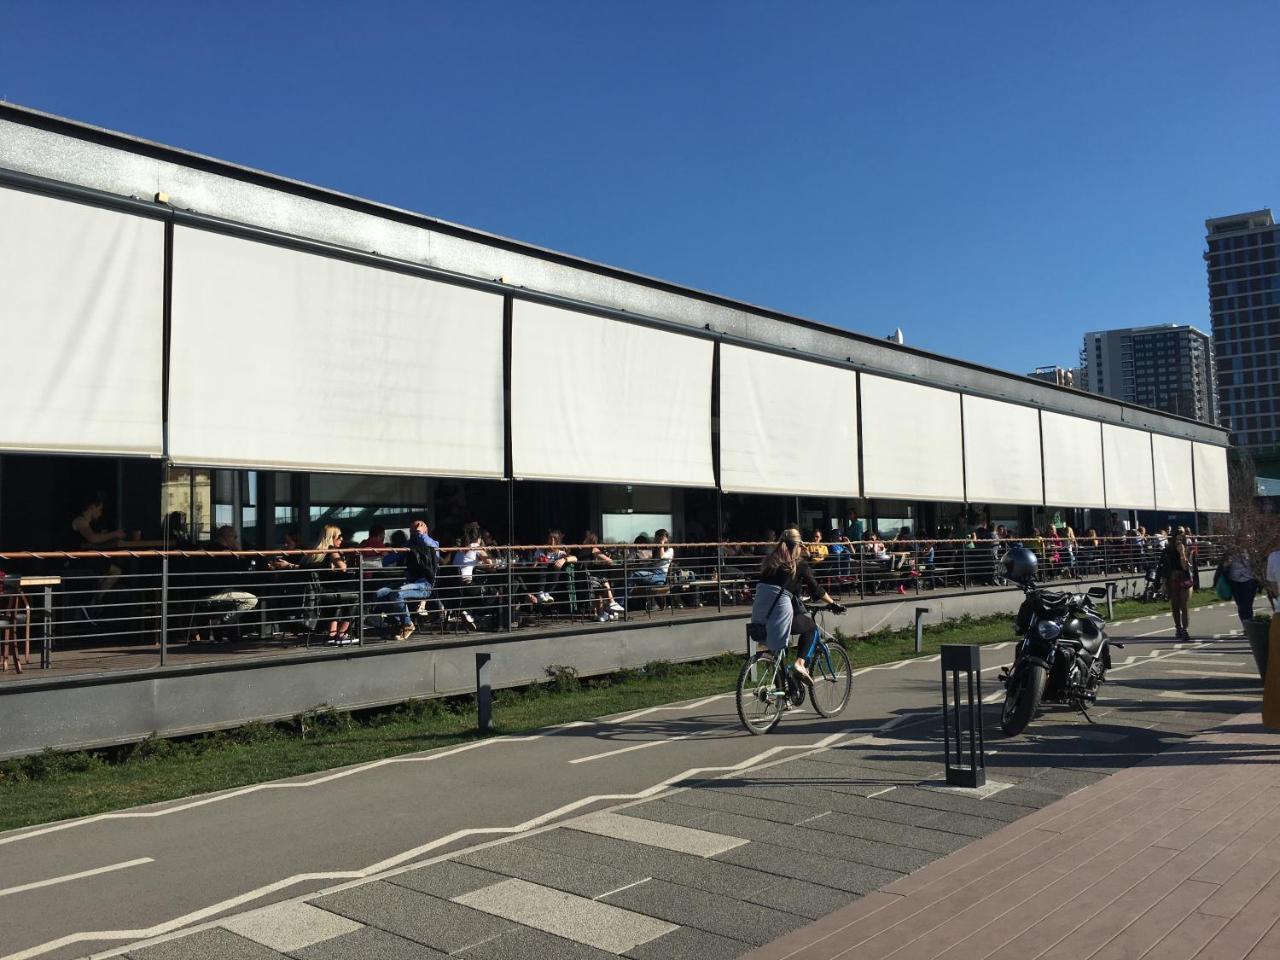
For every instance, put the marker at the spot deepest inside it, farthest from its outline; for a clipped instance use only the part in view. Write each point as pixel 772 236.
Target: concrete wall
pixel 113 708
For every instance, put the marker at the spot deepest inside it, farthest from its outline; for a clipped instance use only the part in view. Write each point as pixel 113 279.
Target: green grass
pixel 54 786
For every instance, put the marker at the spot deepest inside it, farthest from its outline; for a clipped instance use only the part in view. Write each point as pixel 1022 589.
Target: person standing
pixel 1235 567
pixel 1175 568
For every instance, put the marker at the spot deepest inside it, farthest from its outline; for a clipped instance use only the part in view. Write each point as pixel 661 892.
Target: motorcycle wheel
pixel 1022 699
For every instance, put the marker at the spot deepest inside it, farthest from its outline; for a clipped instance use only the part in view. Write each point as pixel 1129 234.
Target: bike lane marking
pixel 66 878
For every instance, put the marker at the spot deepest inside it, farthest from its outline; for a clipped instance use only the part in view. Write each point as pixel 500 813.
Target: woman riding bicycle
pixel 784 574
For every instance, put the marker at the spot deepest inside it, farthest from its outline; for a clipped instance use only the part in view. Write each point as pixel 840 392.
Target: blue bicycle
pixel 768 685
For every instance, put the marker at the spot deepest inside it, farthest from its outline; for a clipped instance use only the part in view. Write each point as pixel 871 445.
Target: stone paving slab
pixel 1188 866
pixel 573 875
pixel 214 944
pixel 367 943
pixel 688 943
pixel 431 921
pixel 725 916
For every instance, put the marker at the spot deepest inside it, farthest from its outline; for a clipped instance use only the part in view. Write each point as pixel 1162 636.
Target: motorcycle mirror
pixel 1099 592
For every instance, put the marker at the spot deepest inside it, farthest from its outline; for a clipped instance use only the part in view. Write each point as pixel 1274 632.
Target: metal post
pixel 964 565
pixel 862 579
pixel 957 659
pixel 719 551
pixel 46 632
pixel 920 612
pixel 164 609
pixel 484 693
pixel 626 590
pixel 360 602
pixel 1111 600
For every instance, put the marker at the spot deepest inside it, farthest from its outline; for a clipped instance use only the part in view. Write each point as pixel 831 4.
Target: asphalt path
pixel 100 883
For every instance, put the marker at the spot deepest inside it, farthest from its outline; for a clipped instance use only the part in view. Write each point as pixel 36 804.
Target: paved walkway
pixel 1177 857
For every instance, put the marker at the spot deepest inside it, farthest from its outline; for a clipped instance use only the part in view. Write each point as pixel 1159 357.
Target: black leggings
pixel 806 629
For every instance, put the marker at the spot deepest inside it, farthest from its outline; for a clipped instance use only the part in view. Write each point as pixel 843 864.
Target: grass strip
pixel 56 785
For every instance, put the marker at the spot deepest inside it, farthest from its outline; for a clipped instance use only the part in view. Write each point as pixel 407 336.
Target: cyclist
pixel 784 572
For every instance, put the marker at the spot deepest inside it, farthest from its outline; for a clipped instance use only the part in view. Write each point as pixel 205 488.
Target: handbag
pixel 759 632
pixel 1223 588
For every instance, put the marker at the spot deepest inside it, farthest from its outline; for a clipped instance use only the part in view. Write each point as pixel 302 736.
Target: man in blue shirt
pixel 422 562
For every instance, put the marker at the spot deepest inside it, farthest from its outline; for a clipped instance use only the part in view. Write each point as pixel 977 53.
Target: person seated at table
pixel 815 549
pixel 842 554
pixel 553 557
pixel 377 537
pixel 652 565
pixel 421 566
pixel 223 575
pixel 85 535
pixel 399 541
pixel 470 554
pixel 598 562
pixel 336 599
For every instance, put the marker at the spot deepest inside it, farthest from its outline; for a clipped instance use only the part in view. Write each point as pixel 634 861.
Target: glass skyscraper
pixel 1244 304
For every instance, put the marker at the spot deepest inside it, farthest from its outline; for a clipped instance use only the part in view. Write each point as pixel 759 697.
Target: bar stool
pixel 15 615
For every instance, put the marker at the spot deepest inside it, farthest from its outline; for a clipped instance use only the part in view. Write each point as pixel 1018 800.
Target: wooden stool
pixel 15 615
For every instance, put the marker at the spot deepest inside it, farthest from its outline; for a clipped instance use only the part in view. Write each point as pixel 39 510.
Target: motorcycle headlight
pixel 1048 630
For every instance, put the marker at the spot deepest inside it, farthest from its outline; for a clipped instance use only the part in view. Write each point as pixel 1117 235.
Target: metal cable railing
pixel 111 609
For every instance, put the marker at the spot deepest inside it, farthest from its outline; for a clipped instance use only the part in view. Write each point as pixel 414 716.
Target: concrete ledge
pixel 97 710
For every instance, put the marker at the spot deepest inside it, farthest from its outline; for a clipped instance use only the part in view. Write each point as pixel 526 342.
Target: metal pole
pixel 626 590
pixel 862 578
pixel 484 693
pixel 920 612
pixel 46 634
pixel 511 554
pixel 720 552
pixel 164 609
pixel 360 602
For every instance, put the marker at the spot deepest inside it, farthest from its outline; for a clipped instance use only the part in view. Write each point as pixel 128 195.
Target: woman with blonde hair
pixel 784 574
pixel 335 601
pixel 1175 568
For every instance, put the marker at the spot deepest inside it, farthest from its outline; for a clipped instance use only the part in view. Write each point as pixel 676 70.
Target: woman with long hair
pixel 334 602
pixel 1175 567
pixel 784 575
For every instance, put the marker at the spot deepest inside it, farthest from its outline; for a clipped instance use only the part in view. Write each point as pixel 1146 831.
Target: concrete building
pixel 1059 376
pixel 1244 307
pixel 1168 367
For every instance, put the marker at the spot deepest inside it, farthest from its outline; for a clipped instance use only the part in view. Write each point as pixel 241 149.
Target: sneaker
pixel 468 619
pixel 613 616
pixel 406 632
pixel 546 597
pixel 901 588
pixel 615 607
pixel 602 617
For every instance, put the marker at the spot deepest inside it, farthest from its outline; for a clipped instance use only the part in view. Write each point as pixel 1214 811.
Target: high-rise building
pixel 1169 367
pixel 1244 304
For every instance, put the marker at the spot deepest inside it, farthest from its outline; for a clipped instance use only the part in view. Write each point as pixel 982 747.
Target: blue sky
pixel 994 178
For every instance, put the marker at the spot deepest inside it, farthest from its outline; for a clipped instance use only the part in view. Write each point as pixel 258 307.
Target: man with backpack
pixel 422 563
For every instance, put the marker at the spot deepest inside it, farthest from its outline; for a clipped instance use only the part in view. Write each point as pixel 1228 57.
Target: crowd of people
pixel 406 578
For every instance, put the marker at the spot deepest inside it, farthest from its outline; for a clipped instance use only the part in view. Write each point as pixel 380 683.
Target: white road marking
pixel 656 743
pixel 1180 695
pixel 407 856
pixel 680 706
pixel 599 925
pixel 880 792
pixel 66 878
pixel 1215 662
pixel 1206 674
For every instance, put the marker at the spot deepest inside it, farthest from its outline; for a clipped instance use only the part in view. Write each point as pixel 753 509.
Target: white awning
pixel 1126 456
pixel 82 316
pixel 1072 461
pixel 595 399
pixel 1171 459
pixel 290 360
pixel 911 446
pixel 764 448
pixel 1001 452
pixel 1213 495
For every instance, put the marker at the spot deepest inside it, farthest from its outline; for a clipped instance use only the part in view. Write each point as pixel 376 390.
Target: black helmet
pixel 1020 565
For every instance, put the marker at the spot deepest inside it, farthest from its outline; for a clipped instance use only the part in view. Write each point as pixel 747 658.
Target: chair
pixel 15 615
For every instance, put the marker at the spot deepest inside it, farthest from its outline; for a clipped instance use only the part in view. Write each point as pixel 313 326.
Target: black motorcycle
pixel 1063 656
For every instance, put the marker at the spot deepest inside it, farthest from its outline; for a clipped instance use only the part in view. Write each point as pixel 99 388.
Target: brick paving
pixel 1176 857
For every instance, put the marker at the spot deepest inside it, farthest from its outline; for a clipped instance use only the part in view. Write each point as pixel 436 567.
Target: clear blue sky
pixel 994 178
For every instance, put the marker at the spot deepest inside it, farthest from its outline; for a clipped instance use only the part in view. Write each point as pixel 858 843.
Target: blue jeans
pixel 392 600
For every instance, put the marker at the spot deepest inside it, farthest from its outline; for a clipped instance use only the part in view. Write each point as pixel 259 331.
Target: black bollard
pixel 966 659
pixel 484 692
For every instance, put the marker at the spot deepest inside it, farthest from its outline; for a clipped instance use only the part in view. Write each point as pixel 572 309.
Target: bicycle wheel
pixel 832 680
pixel 759 706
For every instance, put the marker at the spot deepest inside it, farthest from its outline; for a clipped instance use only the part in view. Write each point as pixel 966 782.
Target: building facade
pixel 1167 367
pixel 1244 308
